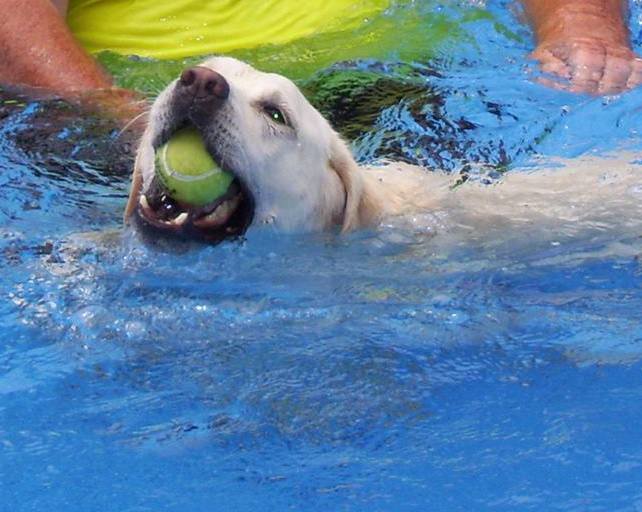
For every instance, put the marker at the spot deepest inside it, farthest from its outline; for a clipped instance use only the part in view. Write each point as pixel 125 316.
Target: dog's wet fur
pixel 295 173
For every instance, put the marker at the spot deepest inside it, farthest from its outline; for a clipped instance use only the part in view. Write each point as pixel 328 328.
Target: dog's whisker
pixel 131 122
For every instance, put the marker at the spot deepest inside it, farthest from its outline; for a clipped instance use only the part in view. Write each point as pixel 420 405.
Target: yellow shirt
pixel 172 29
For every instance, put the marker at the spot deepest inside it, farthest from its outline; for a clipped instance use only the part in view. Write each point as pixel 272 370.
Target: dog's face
pixel 291 168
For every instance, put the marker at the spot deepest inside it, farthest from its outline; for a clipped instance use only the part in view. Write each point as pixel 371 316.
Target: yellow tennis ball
pixel 187 170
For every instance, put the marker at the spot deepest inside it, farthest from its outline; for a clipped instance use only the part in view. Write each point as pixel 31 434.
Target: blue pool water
pixel 383 371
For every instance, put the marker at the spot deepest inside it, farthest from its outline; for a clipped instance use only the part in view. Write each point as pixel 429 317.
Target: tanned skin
pixel 37 49
pixel 583 42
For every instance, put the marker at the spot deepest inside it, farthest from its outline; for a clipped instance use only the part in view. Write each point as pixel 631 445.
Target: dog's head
pixel 292 170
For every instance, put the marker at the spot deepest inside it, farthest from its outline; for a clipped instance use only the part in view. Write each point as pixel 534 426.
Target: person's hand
pixel 119 104
pixel 589 65
pixel 127 108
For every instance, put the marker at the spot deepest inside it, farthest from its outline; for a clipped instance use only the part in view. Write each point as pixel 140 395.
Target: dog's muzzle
pixel 197 96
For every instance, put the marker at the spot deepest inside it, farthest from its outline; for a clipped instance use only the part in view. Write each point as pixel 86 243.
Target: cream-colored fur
pixel 604 190
pixel 304 178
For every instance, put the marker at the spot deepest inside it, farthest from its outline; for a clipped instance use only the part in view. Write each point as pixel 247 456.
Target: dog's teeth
pixel 180 220
pixel 220 215
pixel 143 202
pixel 217 216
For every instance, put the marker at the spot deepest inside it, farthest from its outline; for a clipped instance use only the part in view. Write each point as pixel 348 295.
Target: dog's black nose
pixel 204 84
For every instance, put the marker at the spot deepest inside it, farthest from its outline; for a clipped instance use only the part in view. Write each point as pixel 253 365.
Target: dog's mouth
pixel 228 216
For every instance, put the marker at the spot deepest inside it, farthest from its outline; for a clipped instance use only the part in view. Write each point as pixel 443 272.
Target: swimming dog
pixel 295 173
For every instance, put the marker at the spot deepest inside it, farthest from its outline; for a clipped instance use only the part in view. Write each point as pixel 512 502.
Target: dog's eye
pixel 275 115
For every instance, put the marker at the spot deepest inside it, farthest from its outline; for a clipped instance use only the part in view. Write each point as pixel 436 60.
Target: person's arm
pixel 38 50
pixel 62 6
pixel 585 42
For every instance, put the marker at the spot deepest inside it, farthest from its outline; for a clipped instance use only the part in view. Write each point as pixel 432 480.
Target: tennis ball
pixel 188 172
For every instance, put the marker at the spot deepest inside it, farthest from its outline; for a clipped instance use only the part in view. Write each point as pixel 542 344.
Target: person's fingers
pixel 556 67
pixel 587 67
pixel 635 78
pixel 552 61
pixel 616 75
pixel 553 84
pixel 551 65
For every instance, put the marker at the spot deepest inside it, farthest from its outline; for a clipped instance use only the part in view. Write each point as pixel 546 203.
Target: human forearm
pixel 38 50
pixel 61 5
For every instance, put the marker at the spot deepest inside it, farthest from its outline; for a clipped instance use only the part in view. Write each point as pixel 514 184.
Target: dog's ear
pixel 360 205
pixel 134 193
pixel 144 157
